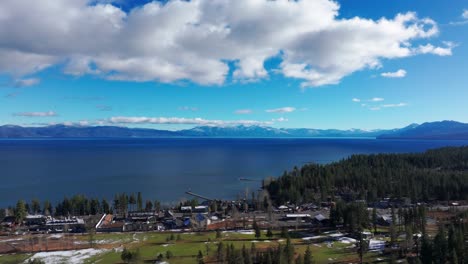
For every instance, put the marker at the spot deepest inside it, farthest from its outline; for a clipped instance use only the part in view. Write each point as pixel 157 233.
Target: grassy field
pixel 185 247
pixel 13 258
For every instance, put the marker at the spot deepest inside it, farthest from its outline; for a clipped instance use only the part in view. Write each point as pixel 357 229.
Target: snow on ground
pixel 336 235
pixel 11 240
pixel 56 236
pixel 312 237
pixel 347 240
pixel 108 241
pixel 242 232
pixel 70 256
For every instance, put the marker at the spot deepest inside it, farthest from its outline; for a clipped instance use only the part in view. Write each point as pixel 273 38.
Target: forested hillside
pixel 440 174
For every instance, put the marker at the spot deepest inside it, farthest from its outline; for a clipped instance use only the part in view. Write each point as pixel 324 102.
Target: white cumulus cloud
pixel 281 119
pixel 183 121
pixel 376 99
pixel 243 111
pixel 398 74
pixel 465 14
pixel 431 49
pixel 197 40
pixel 36 114
pixel 356 100
pixel 394 105
pixel 27 82
pixel 287 109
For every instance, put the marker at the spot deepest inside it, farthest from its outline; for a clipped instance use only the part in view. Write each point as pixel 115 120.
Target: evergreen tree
pixel 284 232
pixel 200 257
pixel 256 228
pixel 363 246
pixel 220 252
pixel 139 202
pixel 35 206
pixel 148 205
pixel 426 251
pixel 308 256
pixel 439 246
pixel 47 209
pixel 105 206
pixel 289 251
pixel 126 255
pixel 132 201
pixel 20 211
pixel 269 233
pixel 374 219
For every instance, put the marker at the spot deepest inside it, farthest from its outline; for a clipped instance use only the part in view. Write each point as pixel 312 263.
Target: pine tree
pixel 363 246
pixel 200 257
pixel 374 219
pixel 393 235
pixel 439 246
pixel 139 202
pixel 256 228
pixel 35 206
pixel 308 256
pixel 426 251
pixel 132 201
pixel 269 233
pixel 220 254
pixel 289 251
pixel 20 211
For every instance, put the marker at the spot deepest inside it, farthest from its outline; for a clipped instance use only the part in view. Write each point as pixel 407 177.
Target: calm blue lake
pixel 164 169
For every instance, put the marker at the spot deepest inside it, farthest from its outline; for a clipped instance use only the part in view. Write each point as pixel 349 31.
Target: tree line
pixel 448 245
pixel 282 254
pixel 79 205
pixel 440 174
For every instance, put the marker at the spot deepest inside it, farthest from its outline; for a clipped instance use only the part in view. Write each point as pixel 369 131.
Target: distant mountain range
pixel 434 130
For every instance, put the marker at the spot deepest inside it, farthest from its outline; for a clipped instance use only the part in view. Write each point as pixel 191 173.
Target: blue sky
pixel 321 65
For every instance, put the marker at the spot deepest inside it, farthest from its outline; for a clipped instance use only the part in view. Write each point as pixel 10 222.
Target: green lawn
pixel 187 247
pixel 13 258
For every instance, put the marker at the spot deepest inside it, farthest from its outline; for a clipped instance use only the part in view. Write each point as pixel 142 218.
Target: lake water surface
pixel 164 169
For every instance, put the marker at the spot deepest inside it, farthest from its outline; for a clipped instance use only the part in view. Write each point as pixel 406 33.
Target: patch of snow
pixel 12 239
pixel 347 240
pixel 108 241
pixel 70 256
pixel 242 232
pixel 312 237
pixel 57 236
pixel 336 235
